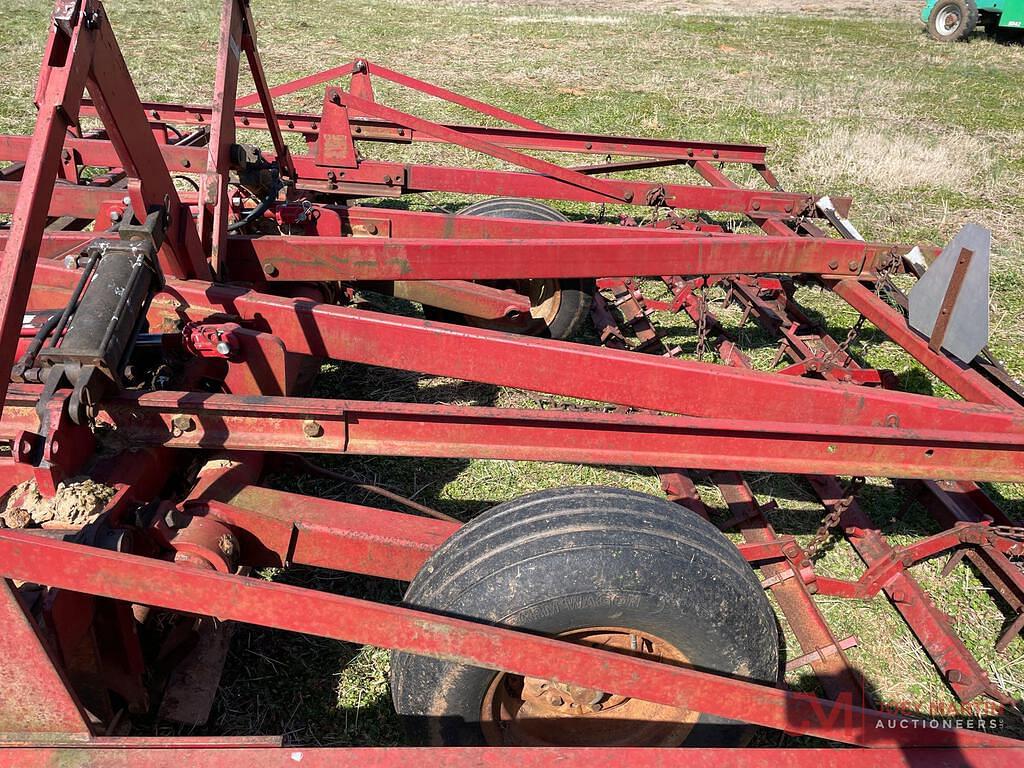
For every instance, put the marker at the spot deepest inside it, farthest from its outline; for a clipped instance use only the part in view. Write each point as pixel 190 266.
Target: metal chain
pixel 1015 532
pixel 882 285
pixel 833 517
pixel 843 347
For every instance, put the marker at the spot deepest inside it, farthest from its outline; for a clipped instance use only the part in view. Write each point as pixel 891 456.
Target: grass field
pixel 853 98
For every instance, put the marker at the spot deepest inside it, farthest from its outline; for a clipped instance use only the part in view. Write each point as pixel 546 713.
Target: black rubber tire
pixel 968 11
pixel 575 294
pixel 581 557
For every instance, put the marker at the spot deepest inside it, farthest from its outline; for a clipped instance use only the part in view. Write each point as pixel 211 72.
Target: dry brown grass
pixel 892 162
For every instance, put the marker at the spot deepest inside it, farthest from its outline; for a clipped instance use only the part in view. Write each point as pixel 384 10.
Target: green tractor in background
pixel 951 20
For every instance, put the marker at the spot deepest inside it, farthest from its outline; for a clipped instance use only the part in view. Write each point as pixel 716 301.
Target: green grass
pixel 935 133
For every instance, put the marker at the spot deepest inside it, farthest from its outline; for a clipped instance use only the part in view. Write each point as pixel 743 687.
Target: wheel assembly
pixel 953 20
pixel 166 291
pixel 603 567
pixel 557 307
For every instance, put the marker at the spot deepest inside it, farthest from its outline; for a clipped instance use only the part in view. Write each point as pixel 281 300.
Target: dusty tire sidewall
pixel 720 620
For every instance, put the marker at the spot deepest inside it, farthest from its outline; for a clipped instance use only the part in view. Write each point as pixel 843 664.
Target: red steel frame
pixel 265 294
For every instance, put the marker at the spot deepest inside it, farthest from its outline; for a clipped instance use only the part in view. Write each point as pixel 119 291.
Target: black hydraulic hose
pixel 27 361
pixel 259 210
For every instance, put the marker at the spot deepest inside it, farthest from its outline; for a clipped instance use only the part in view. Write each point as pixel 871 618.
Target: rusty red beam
pixel 190 590
pixel 276 528
pixel 426 178
pixel 302 259
pixel 121 753
pixel 232 422
pixel 124 752
pixel 539 139
pixel 607 191
pixel 69 52
pixel 660 384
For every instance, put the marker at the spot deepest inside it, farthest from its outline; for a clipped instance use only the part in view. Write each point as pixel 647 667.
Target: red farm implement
pixel 167 291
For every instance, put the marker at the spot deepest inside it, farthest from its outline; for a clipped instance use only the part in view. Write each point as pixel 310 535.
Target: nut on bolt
pixel 312 428
pixel 182 423
pixel 226 544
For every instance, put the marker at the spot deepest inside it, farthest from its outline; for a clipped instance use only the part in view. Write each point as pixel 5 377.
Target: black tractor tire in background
pixel 562 561
pixel 953 20
pixel 569 298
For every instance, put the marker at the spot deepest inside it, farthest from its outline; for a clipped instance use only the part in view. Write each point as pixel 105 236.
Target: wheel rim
pixel 518 711
pixel 545 300
pixel 948 19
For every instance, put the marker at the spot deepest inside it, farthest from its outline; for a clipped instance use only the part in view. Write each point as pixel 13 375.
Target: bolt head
pixel 312 428
pixel 833 264
pixel 270 269
pixel 71 262
pixel 223 348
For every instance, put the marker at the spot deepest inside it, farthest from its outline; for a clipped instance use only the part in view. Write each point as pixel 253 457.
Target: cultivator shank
pixel 167 293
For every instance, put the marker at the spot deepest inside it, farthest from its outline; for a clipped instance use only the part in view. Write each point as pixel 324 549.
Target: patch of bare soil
pixel 76 503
